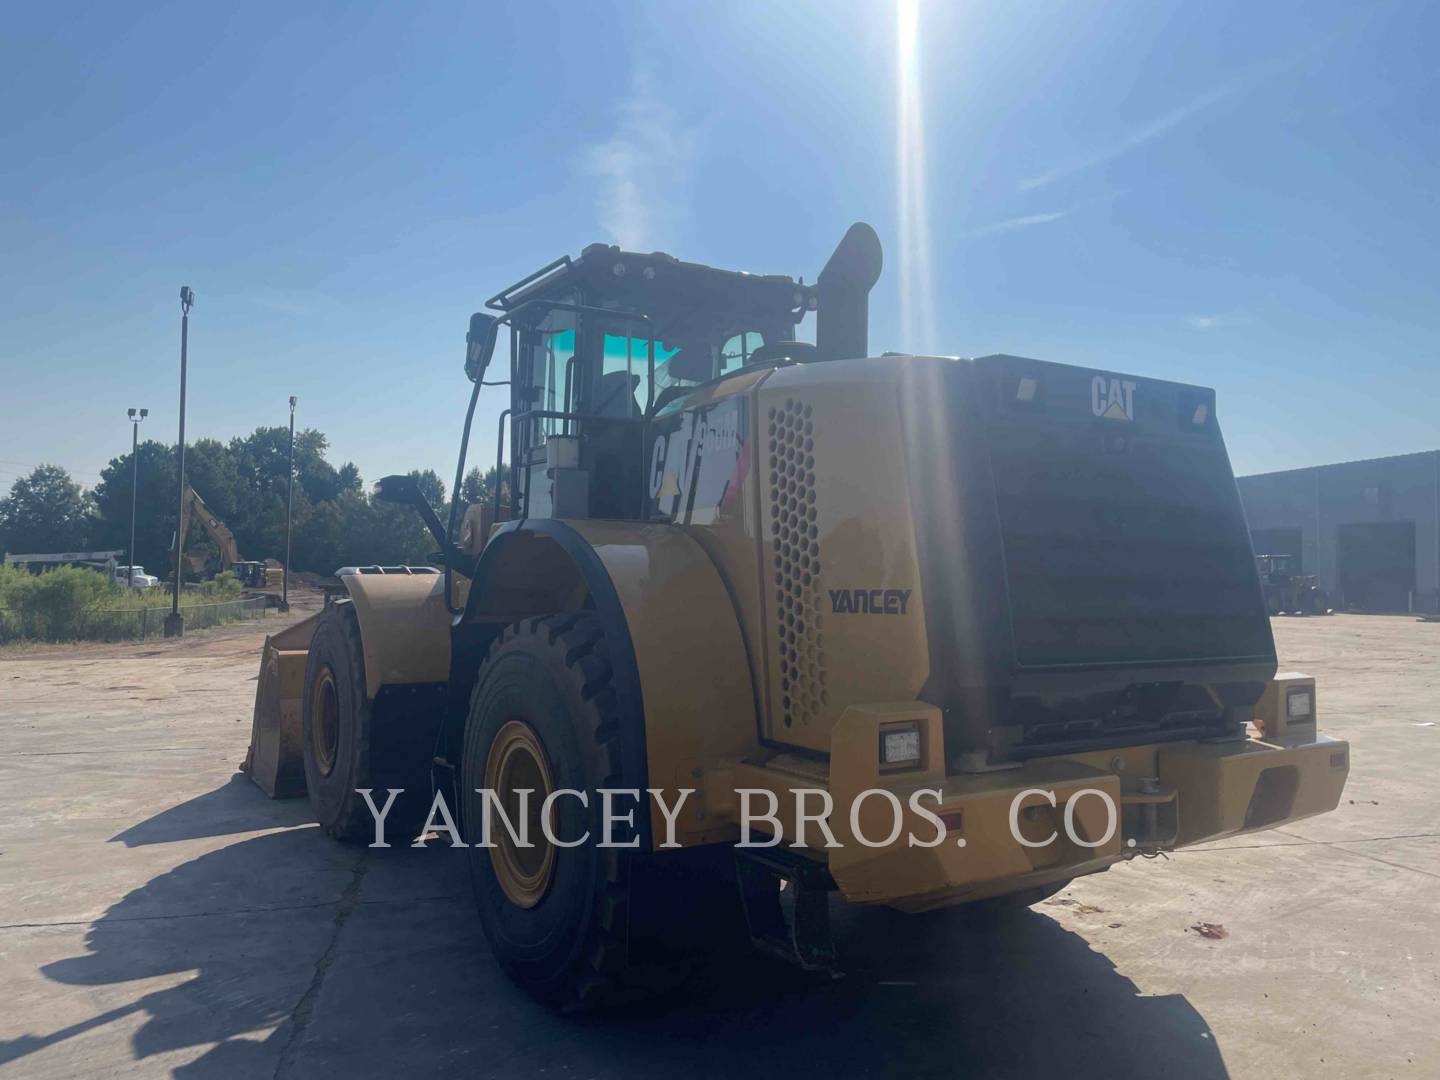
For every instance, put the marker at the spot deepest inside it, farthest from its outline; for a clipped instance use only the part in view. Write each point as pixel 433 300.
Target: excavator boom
pixel 218 531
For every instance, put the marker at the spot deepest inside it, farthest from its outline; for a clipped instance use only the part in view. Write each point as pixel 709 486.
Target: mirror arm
pixel 404 491
pixel 430 520
pixel 447 544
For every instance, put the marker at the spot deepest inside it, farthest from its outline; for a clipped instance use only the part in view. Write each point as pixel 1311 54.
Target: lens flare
pixel 917 305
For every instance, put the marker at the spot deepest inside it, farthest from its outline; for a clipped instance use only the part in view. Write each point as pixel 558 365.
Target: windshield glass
pixel 631 355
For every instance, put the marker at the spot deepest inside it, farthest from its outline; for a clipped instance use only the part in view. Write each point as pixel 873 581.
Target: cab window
pixel 548 355
pixel 736 351
pixel 624 374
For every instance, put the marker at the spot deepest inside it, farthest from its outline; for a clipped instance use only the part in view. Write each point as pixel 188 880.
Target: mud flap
pixel 804 938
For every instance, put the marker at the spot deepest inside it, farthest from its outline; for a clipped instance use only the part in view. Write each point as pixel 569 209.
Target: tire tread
pixel 578 640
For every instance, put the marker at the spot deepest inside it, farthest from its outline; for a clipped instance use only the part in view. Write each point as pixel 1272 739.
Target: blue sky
pixel 1245 196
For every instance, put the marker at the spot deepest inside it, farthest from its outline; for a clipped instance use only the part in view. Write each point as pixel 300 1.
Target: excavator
pixel 765 622
pixel 252 574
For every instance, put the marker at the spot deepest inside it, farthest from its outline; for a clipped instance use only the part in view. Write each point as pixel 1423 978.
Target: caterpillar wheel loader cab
pixel 916 620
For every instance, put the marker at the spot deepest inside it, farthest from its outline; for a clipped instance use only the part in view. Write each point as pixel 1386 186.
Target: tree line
pixel 243 482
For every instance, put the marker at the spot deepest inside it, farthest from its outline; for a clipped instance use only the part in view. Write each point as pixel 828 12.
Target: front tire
pixel 351 743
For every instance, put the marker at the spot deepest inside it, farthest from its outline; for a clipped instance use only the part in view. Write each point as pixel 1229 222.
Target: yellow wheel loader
pixel 908 629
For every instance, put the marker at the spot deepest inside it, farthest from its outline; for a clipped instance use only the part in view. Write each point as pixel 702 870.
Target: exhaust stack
pixel 842 321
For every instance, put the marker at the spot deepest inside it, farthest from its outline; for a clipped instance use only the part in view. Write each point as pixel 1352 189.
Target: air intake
pixel 796 577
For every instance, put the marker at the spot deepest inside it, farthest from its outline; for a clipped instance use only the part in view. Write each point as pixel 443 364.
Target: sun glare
pixel 917 308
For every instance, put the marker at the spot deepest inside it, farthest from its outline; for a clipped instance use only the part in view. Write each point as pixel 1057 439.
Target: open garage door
pixel 1377 565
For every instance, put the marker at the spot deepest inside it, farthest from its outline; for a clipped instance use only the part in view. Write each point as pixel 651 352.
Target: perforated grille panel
pixel 799 641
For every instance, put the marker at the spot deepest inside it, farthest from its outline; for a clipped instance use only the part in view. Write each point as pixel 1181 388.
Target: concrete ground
pixel 161 916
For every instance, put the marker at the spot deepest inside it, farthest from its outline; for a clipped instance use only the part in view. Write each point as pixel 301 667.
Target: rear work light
pixel 1196 411
pixel 1287 703
pixel 900 745
pixel 1299 705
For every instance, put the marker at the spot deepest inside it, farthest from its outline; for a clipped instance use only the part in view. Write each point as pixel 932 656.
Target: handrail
pixel 500 301
pixel 500 460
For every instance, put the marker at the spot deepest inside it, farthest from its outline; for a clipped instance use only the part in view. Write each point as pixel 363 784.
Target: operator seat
pixel 617 396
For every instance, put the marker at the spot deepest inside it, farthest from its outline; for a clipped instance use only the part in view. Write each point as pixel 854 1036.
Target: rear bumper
pixel 1013 823
pixel 1252 784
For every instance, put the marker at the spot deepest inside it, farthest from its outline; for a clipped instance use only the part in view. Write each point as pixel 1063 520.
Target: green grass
pixel 73 602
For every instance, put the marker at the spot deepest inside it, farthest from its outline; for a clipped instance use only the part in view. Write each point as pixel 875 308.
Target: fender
pixel 682 674
pixel 404 628
pixel 405 641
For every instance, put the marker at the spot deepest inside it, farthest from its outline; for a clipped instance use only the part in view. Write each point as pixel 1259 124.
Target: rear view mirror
pixel 404 489
pixel 396 489
pixel 479 345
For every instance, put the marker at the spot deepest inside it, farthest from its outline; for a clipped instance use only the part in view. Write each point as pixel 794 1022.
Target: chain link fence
pixel 36 623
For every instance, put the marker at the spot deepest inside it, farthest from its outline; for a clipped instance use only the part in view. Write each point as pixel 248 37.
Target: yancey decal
pixel 869 601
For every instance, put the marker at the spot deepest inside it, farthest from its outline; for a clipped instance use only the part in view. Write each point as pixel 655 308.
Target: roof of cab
pixel 605 271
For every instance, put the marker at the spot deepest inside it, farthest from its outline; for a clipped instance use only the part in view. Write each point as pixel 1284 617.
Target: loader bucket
pixel 276 760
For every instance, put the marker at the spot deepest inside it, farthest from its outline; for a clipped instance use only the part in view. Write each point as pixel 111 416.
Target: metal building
pixel 1369 529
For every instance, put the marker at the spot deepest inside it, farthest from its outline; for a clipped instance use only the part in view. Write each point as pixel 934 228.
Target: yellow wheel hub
pixel 325 725
pixel 516 763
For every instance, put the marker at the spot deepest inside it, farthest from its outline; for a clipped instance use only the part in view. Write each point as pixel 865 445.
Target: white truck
pixel 134 577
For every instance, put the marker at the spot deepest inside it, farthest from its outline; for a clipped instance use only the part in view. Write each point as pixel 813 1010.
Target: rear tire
pixel 346 748
pixel 555 919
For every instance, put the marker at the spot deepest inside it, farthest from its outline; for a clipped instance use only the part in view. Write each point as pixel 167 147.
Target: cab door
pixel 544 383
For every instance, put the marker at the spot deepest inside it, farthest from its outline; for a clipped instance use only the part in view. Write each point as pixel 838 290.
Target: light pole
pixel 175 622
pixel 289 505
pixel 136 416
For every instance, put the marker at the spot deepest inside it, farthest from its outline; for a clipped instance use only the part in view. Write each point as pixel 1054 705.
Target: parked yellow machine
pixel 252 573
pixel 916 618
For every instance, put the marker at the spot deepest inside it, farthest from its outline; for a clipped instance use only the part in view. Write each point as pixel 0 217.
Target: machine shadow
pixel 226 810
pixel 942 994
pixel 371 962
pixel 246 921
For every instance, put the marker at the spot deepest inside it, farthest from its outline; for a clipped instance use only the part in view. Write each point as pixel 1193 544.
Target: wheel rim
pixel 325 726
pixel 517 761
